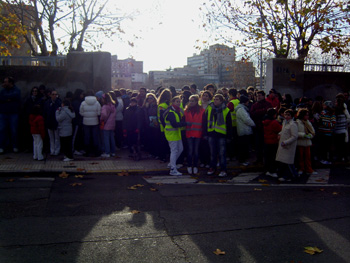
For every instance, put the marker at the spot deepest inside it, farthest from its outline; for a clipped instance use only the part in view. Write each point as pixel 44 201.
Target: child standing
pixel 37 129
pixel 64 117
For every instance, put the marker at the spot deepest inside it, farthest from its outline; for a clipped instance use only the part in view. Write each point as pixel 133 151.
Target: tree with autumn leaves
pixel 11 32
pixel 284 28
pixel 69 24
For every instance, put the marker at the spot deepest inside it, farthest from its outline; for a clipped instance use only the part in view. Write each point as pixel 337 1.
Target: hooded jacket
pixel 244 122
pixel 108 113
pixel 64 117
pixel 271 130
pixel 90 109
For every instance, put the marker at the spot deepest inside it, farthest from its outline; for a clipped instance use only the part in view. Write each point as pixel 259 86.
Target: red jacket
pixel 37 125
pixel 271 130
pixel 194 123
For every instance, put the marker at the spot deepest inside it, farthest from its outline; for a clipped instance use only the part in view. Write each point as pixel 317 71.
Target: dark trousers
pixel 270 157
pixel 66 146
pixel 91 139
pixel 192 153
pixel 243 147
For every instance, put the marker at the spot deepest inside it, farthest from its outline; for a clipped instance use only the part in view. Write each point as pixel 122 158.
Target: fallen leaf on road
pixel 139 185
pixel 76 184
pixel 63 175
pixel 201 182
pixel 132 188
pixel 257 189
pixel 159 184
pixel 79 176
pixel 10 180
pixel 135 212
pixel 222 181
pixel 312 250
pixel 194 177
pixel 265 185
pixel 322 190
pixel 80 169
pixel 335 193
pixel 153 189
pixel 123 173
pixel 262 181
pixel 218 252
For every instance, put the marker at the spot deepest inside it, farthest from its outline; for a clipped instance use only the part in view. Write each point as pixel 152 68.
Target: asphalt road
pixel 111 218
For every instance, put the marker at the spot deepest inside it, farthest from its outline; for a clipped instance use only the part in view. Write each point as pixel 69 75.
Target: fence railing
pixel 54 61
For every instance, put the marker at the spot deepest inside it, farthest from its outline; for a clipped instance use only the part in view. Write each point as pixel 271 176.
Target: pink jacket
pixel 108 114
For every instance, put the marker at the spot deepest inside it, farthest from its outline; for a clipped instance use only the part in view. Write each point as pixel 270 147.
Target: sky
pixel 167 32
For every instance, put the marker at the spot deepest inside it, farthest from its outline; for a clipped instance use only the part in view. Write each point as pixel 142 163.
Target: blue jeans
pixel 217 147
pixel 109 141
pixel 193 146
pixel 8 128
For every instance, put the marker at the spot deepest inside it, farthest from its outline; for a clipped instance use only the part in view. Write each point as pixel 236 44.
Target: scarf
pixel 176 108
pixel 217 111
pixel 308 128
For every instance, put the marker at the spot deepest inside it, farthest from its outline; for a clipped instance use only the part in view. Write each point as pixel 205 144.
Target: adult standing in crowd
pixel 50 108
pixel 10 101
pixel 151 124
pixel 218 128
pixel 163 103
pixel 287 147
pixel 204 149
pixel 90 110
pixel 232 105
pixel 194 119
pixel 244 129
pixel 257 113
pixel 272 98
pixel 108 115
pixel 173 120
pixel 78 136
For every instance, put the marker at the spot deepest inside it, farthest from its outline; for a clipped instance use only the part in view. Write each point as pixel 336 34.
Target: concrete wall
pixel 288 76
pixel 85 70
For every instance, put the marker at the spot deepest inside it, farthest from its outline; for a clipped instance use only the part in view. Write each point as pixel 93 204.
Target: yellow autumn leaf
pixel 219 252
pixel 201 182
pixel 312 250
pixel 262 181
pixel 153 189
pixel 139 185
pixel 265 185
pixel 335 193
pixel 80 169
pixel 257 189
pixel 135 212
pixel 222 181
pixel 79 176
pixel 63 175
pixel 76 184
pixel 132 188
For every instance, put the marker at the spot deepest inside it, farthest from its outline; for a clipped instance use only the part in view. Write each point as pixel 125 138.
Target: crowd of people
pixel 186 127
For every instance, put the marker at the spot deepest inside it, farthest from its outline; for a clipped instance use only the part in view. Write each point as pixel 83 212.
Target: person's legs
pixel 302 157
pixel 190 148
pixel 307 158
pixel 112 141
pixel 222 153
pixel 196 151
pixel 95 138
pixel 35 146
pixel 14 129
pixel 39 147
pixel 3 124
pixel 173 153
pixel 106 141
pixel 57 142
pixel 52 141
pixel 213 145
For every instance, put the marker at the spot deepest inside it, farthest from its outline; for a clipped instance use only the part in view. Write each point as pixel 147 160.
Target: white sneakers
pixel 195 170
pixel 175 172
pixel 66 159
pixel 274 175
pixel 189 170
pixel 105 155
pixel 222 174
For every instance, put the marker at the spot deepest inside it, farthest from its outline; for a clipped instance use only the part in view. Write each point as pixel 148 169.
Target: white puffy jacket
pixel 90 109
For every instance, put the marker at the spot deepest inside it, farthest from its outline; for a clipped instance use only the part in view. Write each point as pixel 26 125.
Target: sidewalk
pixel 23 163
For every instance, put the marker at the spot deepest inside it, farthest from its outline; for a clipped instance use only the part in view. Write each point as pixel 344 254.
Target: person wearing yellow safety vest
pixel 194 130
pixel 244 129
pixel 163 104
pixel 232 104
pixel 218 128
pixel 185 96
pixel 172 130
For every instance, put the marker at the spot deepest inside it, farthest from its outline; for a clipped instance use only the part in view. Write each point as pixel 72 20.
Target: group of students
pixel 207 128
